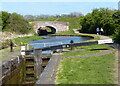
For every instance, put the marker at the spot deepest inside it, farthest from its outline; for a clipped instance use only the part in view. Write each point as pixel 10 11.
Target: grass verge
pixel 69 32
pixel 24 40
pixel 5 53
pixel 20 40
pixel 95 47
pixel 89 70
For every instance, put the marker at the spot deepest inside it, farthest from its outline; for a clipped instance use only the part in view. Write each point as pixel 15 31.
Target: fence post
pixel 38 62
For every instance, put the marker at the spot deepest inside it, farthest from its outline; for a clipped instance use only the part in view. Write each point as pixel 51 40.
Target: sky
pixel 53 7
pixel 59 0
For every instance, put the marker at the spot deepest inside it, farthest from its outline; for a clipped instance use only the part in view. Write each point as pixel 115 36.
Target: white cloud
pixel 59 1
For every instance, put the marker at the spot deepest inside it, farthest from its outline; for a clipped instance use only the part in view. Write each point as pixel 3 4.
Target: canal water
pixel 56 40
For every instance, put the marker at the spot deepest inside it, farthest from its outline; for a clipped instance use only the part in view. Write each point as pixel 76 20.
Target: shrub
pixel 15 23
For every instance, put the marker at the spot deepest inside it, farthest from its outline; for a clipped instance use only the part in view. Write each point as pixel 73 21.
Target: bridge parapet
pixel 59 26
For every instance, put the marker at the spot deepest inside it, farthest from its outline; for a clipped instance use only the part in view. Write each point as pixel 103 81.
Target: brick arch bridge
pixel 58 26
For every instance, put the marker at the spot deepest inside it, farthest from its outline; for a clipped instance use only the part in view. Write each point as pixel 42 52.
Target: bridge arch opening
pixel 46 30
pixel 51 30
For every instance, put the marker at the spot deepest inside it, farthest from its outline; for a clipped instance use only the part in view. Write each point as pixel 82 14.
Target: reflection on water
pixel 56 40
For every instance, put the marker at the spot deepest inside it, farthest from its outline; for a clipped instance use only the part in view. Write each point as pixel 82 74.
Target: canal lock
pixel 25 72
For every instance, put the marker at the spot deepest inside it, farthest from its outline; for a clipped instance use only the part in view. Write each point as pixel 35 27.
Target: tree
pixel 98 18
pixel 5 17
pixel 15 23
pixel 0 18
pixel 117 35
pixel 29 17
pixel 116 18
pixel 76 14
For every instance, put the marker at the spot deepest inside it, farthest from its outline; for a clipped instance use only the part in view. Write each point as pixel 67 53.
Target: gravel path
pixel 104 52
pixel 101 36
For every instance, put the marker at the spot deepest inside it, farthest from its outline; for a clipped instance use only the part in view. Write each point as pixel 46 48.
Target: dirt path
pixel 101 36
pixel 104 52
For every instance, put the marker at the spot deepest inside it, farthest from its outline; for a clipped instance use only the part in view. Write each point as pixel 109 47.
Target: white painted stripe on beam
pixel 105 41
pixel 22 48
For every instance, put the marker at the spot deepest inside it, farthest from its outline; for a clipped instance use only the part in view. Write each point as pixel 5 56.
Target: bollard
pixel 11 46
pixel 71 44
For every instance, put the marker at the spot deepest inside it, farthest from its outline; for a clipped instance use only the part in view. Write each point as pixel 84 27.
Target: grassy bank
pixel 95 47
pixel 69 32
pixel 89 70
pixel 5 53
pixel 19 40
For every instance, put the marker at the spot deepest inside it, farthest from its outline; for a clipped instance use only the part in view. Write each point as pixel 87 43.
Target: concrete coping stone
pixel 48 73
